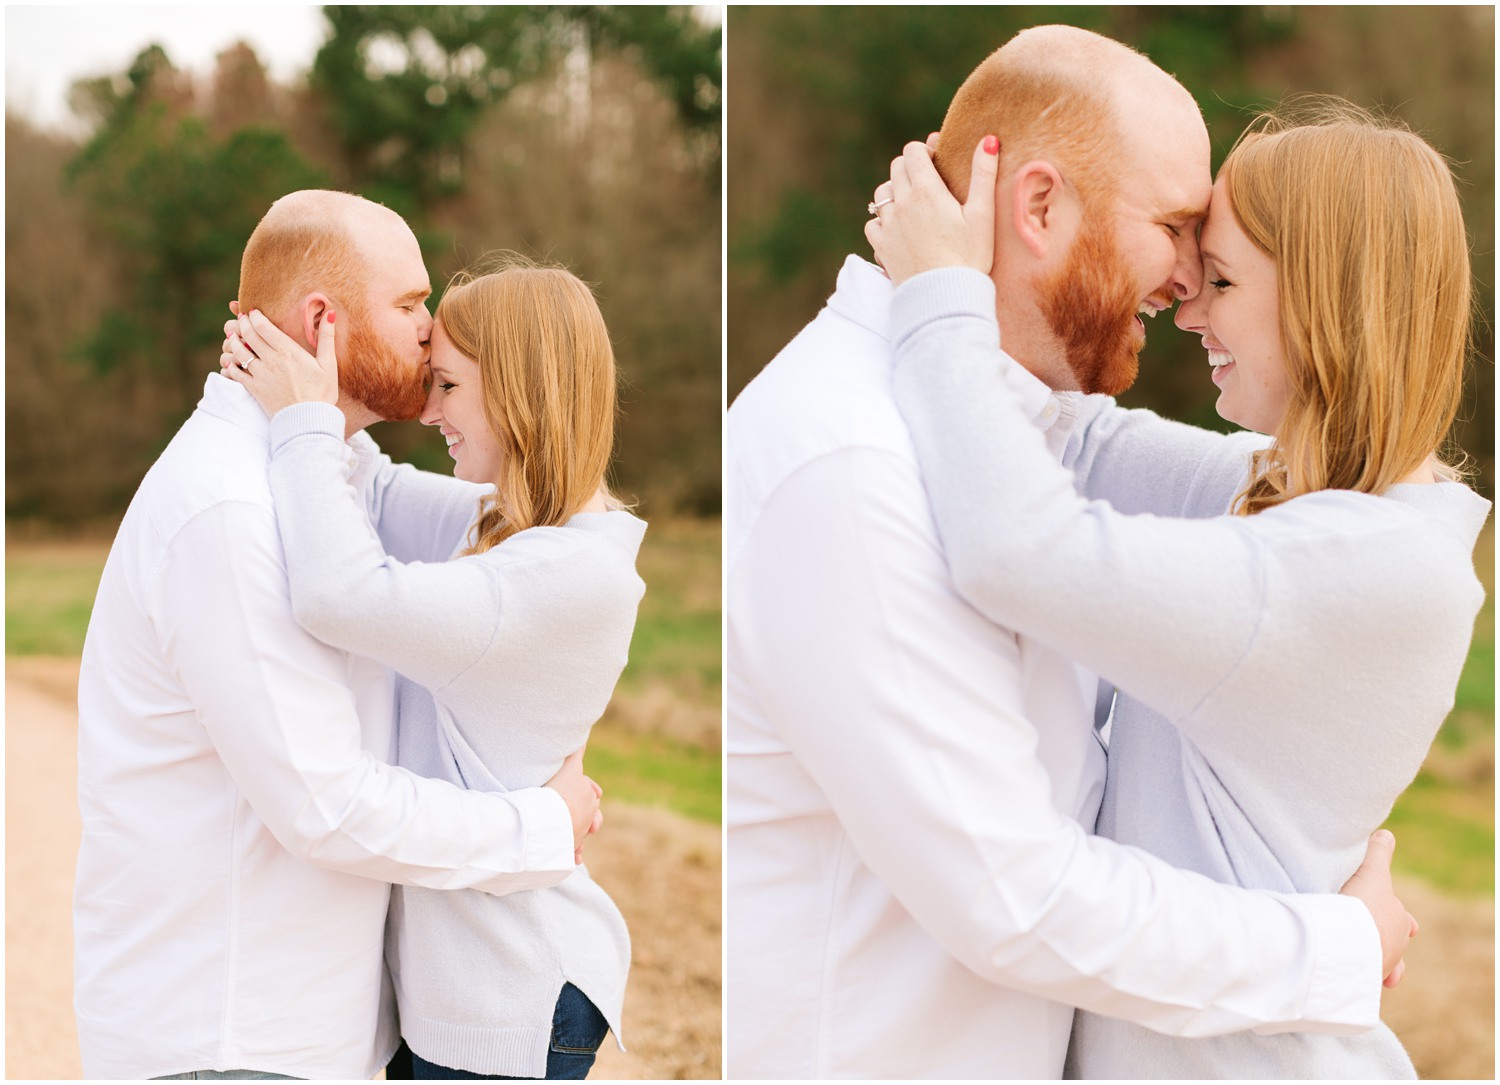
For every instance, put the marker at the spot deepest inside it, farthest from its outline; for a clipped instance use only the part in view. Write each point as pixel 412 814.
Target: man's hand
pixel 1371 885
pixel 582 796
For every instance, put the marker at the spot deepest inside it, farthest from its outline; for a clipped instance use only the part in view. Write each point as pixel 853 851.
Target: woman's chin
pixel 1246 421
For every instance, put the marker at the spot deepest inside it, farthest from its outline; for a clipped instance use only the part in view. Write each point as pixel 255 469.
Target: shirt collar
pixel 863 295
pixel 226 400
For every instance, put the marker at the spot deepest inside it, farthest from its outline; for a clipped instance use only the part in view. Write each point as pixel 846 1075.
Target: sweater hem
pixel 511 1052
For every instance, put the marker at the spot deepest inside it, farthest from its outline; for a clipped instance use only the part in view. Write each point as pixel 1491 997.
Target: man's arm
pixel 905 706
pixel 276 704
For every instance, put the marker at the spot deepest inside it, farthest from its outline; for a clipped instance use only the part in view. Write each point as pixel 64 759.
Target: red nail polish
pixel 330 316
pixel 991 145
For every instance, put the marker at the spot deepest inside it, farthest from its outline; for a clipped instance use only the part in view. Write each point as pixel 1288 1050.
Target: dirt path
pixel 662 870
pixel 41 850
pixel 1444 1010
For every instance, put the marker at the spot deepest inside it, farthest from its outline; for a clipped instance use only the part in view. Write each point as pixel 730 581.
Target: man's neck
pixel 1026 337
pixel 356 416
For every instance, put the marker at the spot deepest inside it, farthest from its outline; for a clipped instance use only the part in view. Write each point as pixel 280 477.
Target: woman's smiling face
pixel 1238 316
pixel 455 404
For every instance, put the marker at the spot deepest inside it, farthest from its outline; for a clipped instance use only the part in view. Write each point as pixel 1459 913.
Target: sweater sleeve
pixel 419 515
pixel 429 621
pixel 1140 462
pixel 1114 592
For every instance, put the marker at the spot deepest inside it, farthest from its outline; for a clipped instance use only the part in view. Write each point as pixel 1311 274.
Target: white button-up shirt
pixel 241 824
pixel 912 892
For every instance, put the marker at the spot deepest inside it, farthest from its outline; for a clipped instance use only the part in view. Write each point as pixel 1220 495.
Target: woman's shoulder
pixel 591 552
pixel 1411 508
pixel 1413 544
pixel 607 533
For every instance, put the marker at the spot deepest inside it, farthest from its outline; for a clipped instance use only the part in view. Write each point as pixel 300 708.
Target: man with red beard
pixel 241 823
pixel 912 888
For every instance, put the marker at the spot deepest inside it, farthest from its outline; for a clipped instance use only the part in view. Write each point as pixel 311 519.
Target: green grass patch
pixel 649 770
pixel 1445 822
pixel 1473 716
pixel 675 645
pixel 49 594
pixel 1445 834
pixel 677 636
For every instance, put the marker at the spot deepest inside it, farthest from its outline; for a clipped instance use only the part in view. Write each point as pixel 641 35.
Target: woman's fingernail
pixel 330 316
pixel 991 145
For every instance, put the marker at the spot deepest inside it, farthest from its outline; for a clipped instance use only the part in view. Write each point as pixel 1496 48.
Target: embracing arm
pixel 1140 462
pixel 904 705
pixel 1134 459
pixel 428 620
pixel 419 515
pixel 1114 592
pixel 277 706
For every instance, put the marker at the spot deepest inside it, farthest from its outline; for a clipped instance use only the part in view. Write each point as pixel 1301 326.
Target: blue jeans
pixel 578 1028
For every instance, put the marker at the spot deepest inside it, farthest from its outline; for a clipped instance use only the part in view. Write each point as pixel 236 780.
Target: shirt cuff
pixel 301 419
pixel 548 827
pixel 1346 979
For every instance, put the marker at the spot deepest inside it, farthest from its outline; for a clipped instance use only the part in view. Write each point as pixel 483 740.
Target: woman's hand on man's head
pixel 274 368
pixel 918 226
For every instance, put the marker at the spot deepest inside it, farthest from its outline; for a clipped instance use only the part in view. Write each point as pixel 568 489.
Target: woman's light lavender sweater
pixel 505 661
pixel 1279 677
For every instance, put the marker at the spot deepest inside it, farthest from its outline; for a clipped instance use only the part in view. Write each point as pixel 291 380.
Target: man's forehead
pixel 1170 177
pixel 394 257
pixel 1176 192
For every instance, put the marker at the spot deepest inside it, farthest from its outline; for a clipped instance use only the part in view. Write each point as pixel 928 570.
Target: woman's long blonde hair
pixel 1373 282
pixel 547 371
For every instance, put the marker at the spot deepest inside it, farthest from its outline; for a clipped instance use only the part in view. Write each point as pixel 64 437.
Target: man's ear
pixel 1041 209
pixel 312 310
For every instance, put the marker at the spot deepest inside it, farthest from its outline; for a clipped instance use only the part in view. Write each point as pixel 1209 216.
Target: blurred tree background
pixel 584 135
pixel 823 98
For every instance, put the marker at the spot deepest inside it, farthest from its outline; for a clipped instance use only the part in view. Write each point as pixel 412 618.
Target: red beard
pixel 373 374
pixel 1091 306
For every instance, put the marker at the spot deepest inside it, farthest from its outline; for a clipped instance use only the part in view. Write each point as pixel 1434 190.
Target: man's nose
pixel 1187 275
pixel 424 325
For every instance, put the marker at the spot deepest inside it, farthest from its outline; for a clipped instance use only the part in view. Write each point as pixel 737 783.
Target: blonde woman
pixel 506 607
pixel 1284 621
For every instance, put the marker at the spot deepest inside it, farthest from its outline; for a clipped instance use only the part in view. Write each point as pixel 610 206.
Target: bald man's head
pixel 1052 92
pixel 316 251
pixel 309 241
